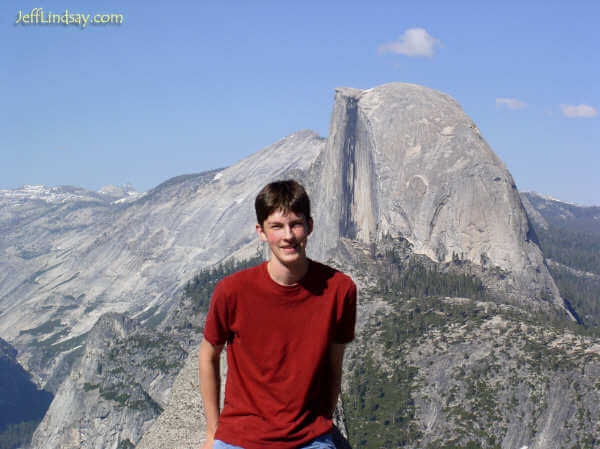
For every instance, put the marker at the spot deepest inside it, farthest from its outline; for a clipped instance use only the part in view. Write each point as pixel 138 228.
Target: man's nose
pixel 288 232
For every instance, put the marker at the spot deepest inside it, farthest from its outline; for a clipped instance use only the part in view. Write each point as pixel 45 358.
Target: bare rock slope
pixel 66 262
pixel 182 425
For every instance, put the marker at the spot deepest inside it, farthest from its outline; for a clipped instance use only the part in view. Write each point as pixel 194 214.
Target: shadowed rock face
pixel 406 161
pixel 20 400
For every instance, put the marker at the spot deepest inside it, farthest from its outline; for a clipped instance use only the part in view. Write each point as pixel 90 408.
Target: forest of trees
pixel 200 288
pixel 420 277
pixel 379 404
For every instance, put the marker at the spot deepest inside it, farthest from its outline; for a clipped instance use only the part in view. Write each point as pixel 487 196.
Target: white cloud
pixel 414 42
pixel 582 110
pixel 510 103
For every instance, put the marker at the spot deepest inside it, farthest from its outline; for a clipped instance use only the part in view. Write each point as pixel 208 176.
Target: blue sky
pixel 186 86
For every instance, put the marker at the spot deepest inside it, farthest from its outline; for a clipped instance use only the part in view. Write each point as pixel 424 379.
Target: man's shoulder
pixel 336 276
pixel 242 277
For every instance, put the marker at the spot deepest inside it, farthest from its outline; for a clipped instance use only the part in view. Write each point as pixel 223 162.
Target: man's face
pixel 286 234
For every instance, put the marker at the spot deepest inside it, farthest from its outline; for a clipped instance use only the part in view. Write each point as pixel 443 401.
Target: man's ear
pixel 261 233
pixel 309 222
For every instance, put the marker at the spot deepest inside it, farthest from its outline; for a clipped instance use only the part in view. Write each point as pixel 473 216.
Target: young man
pixel 285 323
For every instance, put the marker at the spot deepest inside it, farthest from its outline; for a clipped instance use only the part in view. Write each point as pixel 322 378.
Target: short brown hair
pixel 286 195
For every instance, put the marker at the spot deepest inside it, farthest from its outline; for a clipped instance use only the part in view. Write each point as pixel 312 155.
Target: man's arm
pixel 210 385
pixel 336 357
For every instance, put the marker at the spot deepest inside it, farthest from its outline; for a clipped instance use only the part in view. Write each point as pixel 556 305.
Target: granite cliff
pixel 406 161
pixel 115 390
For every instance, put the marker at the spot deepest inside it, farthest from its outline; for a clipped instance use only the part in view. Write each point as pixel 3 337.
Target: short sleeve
pixel 344 332
pixel 216 328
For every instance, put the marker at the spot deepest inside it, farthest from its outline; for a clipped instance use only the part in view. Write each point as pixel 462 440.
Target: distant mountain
pixel 65 263
pixel 120 194
pixel 569 235
pixel 561 214
pixel 27 194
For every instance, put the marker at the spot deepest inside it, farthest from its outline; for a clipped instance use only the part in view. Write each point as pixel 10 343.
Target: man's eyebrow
pixel 291 222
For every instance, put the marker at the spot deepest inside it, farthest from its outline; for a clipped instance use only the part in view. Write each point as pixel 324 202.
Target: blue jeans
pixel 322 442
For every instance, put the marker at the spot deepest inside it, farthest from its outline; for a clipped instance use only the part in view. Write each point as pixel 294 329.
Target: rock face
pixel 523 385
pixel 497 379
pixel 183 423
pixel 406 161
pixel 114 391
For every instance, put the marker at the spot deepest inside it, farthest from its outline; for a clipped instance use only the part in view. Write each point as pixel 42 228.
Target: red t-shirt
pixel 277 388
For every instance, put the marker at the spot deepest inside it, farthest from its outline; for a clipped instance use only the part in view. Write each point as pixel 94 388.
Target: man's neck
pixel 287 275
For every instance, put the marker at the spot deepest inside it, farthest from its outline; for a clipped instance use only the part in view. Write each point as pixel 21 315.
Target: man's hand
pixel 208 444
pixel 210 385
pixel 336 358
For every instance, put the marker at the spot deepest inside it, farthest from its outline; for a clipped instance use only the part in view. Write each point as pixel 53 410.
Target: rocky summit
pixel 406 161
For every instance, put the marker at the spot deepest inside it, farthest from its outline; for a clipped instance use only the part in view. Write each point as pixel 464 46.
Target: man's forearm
pixel 336 384
pixel 210 385
pixel 336 357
